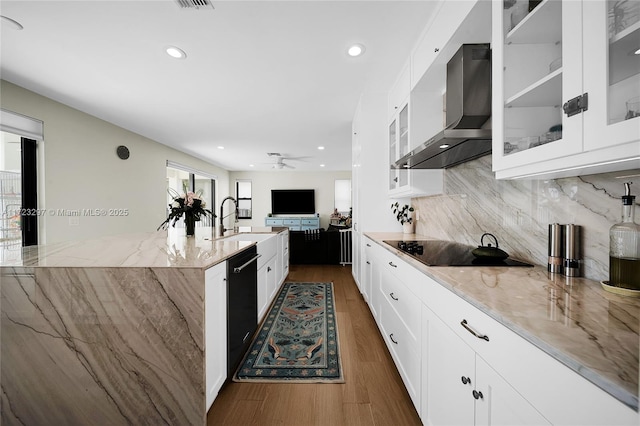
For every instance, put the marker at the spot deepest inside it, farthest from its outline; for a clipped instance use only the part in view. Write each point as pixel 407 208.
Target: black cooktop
pixel 447 253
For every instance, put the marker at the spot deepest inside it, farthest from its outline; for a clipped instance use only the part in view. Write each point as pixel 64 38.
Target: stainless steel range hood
pixel 467 134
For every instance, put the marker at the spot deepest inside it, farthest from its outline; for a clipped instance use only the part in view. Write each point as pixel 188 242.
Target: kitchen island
pixel 109 331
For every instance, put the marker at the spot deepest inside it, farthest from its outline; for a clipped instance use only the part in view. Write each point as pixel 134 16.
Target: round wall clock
pixel 123 152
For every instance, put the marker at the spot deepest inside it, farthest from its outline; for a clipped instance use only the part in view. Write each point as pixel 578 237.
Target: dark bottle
pixel 624 247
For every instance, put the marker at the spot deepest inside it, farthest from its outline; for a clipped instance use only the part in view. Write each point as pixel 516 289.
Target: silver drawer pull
pixel 392 265
pixel 244 265
pixel 479 336
pixel 392 296
pixel 391 337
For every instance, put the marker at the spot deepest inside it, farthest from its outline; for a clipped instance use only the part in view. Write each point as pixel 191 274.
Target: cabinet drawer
pixel 273 222
pixel 415 280
pixel 404 350
pixel 288 222
pixel 310 221
pixel 406 304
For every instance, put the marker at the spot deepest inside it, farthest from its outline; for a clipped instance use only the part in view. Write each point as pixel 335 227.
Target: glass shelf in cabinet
pixel 542 25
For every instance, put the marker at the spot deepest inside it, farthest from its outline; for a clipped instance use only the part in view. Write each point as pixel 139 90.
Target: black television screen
pixel 293 201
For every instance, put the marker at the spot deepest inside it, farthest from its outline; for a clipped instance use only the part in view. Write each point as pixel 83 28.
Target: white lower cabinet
pixel 399 321
pixel 460 388
pixel 456 376
pixel 371 283
pixel 282 260
pixel 270 255
pixel 215 317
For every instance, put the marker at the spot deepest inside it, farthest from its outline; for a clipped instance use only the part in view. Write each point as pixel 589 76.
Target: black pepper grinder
pixel 572 250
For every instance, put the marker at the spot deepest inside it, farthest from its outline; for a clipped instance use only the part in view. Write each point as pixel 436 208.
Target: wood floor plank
pixel 373 392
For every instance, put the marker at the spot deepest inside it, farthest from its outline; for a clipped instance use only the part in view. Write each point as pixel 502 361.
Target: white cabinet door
pixel 612 73
pixel 215 305
pixel 450 377
pixel 499 404
pixel 462 389
pixel 282 254
pixel 563 57
pixel 271 280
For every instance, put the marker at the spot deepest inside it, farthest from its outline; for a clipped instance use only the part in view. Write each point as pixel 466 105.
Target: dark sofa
pixel 314 247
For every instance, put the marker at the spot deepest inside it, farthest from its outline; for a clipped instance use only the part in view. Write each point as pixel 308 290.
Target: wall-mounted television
pixel 293 201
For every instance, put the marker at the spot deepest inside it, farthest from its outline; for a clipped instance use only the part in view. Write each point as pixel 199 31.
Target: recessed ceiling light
pixel 11 23
pixel 355 50
pixel 221 147
pixel 321 148
pixel 175 52
pixel 250 165
pixel 443 146
pixel 321 165
pixel 637 52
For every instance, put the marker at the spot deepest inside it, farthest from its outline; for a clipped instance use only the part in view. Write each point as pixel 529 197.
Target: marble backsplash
pixel 518 212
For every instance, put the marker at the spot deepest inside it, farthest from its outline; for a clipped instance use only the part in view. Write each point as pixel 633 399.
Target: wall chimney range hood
pixel 467 134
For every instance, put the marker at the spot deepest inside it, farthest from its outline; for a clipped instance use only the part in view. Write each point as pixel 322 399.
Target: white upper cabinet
pixel 611 52
pixel 560 87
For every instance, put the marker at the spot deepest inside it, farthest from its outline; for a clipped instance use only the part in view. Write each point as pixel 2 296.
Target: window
pixel 18 180
pixel 343 196
pixel 243 195
pixel 182 179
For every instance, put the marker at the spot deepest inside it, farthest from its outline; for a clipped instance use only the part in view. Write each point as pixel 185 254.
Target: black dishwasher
pixel 242 305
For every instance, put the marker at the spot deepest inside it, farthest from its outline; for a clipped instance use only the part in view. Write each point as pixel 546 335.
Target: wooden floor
pixel 372 395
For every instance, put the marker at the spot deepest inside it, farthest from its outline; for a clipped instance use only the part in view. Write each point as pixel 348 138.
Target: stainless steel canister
pixel 572 250
pixel 556 244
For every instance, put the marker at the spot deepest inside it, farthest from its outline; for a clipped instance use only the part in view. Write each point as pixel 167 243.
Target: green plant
pixel 403 214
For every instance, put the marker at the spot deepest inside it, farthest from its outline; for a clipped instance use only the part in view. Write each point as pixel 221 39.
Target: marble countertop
pixel 165 248
pixel 592 331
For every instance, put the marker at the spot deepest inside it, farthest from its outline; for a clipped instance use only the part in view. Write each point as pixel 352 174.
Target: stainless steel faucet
pixel 235 211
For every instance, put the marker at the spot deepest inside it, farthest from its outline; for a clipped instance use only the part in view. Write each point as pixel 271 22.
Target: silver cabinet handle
pixel 392 265
pixel 268 268
pixel 470 330
pixel 244 265
pixel 368 245
pixel 466 380
pixel 393 297
pixel 477 394
pixel 391 337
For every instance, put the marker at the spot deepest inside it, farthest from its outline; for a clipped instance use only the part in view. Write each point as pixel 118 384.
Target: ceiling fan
pixel 279 163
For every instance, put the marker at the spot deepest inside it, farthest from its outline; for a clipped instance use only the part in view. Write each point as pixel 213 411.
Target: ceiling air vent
pixel 194 4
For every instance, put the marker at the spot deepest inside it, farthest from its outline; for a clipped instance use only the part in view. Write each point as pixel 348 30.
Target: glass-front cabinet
pixel 398 148
pixel 565 75
pixel 611 52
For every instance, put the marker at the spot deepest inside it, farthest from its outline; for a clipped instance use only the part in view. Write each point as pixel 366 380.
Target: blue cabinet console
pixel 294 223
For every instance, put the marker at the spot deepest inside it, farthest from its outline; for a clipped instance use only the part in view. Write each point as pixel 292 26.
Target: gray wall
pixel 79 169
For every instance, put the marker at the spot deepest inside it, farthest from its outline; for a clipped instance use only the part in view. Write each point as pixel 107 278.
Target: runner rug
pixel 298 341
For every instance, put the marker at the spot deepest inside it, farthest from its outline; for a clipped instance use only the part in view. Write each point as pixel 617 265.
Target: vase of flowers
pixel 404 215
pixel 191 205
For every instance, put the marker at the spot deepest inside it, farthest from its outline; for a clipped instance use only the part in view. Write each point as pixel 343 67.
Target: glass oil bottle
pixel 624 247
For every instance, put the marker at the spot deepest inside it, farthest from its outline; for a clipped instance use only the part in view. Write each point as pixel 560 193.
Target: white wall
pixel 263 182
pixel 80 170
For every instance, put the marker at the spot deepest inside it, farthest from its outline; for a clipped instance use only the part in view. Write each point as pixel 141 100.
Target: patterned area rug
pixel 298 341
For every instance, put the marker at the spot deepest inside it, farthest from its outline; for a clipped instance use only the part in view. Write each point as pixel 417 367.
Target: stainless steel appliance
pixel 467 133
pixel 447 253
pixel 242 305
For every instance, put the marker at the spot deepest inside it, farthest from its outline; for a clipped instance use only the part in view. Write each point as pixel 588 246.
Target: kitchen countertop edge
pixel 567 359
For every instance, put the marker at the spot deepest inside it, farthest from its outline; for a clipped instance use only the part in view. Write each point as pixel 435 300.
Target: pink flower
pixel 189 198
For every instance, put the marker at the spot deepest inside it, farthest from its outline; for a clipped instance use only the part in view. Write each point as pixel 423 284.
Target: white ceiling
pixel 260 76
